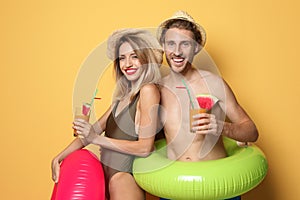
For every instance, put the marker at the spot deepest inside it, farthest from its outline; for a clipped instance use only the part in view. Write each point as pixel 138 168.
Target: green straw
pixel 95 93
pixel 188 91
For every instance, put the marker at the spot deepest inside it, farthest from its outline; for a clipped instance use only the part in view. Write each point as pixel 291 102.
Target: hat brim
pixel 149 40
pixel 162 26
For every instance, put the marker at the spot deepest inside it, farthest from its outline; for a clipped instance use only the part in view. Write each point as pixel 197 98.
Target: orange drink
pixel 195 112
pixel 82 112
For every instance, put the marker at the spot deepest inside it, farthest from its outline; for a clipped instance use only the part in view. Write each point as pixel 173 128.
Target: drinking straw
pixel 188 91
pixel 180 87
pixel 95 93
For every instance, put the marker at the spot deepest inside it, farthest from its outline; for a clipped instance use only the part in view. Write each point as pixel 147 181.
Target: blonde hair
pixel 149 54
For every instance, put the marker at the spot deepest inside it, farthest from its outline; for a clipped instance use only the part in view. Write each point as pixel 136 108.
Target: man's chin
pixel 177 69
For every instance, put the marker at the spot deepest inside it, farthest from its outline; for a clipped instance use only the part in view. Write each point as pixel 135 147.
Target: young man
pixel 182 38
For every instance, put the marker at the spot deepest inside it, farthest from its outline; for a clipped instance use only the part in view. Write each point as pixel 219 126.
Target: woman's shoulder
pixel 149 90
pixel 149 87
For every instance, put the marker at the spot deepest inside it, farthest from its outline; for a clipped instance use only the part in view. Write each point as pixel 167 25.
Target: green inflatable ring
pixel 241 171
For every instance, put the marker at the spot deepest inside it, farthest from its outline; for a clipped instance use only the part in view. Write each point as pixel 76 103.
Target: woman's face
pixel 129 62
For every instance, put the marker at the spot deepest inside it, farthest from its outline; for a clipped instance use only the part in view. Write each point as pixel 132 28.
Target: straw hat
pixel 183 16
pixel 149 41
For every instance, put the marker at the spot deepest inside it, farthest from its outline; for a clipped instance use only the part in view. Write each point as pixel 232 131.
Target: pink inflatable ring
pixel 81 178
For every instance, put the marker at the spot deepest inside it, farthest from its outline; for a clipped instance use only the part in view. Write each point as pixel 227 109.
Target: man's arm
pixel 241 127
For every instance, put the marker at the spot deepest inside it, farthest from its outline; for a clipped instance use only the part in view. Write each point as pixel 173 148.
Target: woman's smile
pixel 130 71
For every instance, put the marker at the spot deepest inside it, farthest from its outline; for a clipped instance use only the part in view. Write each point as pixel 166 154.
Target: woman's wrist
pixel 98 140
pixel 97 128
pixel 56 160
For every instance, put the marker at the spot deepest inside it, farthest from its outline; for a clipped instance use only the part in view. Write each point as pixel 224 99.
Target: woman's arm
pixel 55 164
pixel 76 144
pixel 96 129
pixel 147 108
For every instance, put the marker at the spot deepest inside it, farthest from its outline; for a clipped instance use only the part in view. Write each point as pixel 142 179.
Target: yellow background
pixel 43 44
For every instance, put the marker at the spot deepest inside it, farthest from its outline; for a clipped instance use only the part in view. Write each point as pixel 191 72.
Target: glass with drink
pixel 194 111
pixel 205 102
pixel 82 112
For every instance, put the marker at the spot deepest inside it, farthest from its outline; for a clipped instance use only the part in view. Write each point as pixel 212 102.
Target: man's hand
pixel 205 123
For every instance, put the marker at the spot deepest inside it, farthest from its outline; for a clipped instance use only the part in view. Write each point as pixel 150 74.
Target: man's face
pixel 180 49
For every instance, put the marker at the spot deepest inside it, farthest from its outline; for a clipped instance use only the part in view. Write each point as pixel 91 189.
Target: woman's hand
pixel 55 167
pixel 205 123
pixel 85 129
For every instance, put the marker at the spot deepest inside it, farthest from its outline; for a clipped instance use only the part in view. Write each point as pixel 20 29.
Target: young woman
pixel 130 123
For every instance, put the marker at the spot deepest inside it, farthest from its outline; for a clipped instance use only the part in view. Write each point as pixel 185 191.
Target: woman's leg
pixel 123 186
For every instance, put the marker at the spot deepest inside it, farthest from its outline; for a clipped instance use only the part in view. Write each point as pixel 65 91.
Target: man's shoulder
pixel 209 76
pixel 206 73
pixel 166 86
pixel 165 78
pixel 165 81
